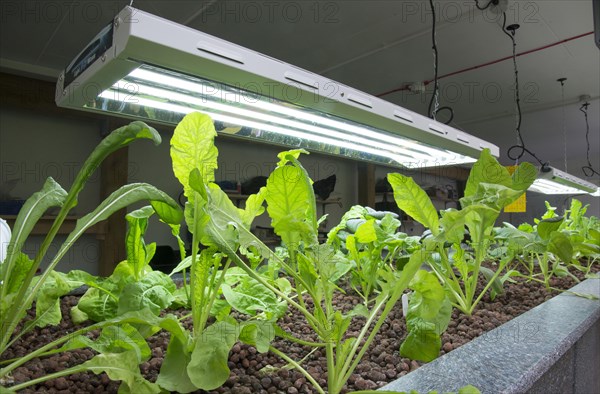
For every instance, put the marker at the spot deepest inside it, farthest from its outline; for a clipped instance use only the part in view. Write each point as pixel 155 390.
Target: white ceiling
pixel 375 46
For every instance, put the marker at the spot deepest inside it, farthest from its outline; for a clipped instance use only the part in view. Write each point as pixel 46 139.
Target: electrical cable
pixel 589 169
pixel 434 96
pixel 486 64
pixel 432 112
pixel 490 2
pixel 521 143
pixel 564 126
pixel 572 196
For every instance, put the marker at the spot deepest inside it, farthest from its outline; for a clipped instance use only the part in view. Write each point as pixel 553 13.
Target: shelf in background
pixel 45 223
pixel 434 198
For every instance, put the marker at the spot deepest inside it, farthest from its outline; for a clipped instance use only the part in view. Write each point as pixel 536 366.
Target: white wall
pixel 35 146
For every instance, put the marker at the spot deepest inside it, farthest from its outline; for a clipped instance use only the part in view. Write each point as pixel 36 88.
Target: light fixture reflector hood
pixel 553 181
pixel 143 66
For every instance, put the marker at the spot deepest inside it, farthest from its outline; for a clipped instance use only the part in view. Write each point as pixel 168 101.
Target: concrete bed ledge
pixel 553 348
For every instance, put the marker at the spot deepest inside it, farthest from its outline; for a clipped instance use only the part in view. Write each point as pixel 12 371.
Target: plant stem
pixel 332 375
pixel 351 361
pixel 487 286
pixel 64 372
pixel 47 347
pixel 292 338
pixel 240 263
pixel 18 308
pixel 298 367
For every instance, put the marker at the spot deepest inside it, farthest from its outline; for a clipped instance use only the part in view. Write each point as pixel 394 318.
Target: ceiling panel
pixel 372 45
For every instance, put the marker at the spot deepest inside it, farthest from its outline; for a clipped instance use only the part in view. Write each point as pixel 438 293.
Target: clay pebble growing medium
pixel 252 372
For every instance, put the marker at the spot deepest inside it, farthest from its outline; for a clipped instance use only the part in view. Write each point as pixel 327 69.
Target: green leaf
pixel 428 315
pixel 98 305
pixel 352 225
pixel 254 207
pixel 550 211
pixel 496 287
pixel 422 343
pixel 595 235
pixel 468 389
pixel 249 296
pixel 547 226
pixel 220 225
pixel 19 273
pixel 526 227
pixel 123 367
pixel 355 212
pixel 173 374
pixel 560 245
pixel 480 221
pixel 154 291
pixel 183 264
pixel 77 315
pixel 259 334
pixel 192 147
pixel 137 253
pixel 121 198
pixel 524 176
pixel 388 226
pixel 491 195
pixel 453 224
pixel 51 195
pixel 208 367
pixel 365 233
pixel 113 339
pixel 487 170
pixel 116 140
pixel 290 207
pixel 288 156
pixel 413 200
pixel 428 295
pixel 47 306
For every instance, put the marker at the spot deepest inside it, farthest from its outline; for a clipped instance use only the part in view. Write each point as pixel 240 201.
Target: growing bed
pixel 252 372
pixel 269 321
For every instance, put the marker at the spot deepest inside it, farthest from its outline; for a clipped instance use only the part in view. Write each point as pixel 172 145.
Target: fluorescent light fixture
pixel 143 66
pixel 553 181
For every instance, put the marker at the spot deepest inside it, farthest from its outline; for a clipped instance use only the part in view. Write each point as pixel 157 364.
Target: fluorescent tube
pixel 158 70
pixel 553 181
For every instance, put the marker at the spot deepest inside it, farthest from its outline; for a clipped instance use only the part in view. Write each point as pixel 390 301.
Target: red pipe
pixel 427 82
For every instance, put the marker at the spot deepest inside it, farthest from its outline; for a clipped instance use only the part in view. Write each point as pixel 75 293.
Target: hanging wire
pixel 564 126
pixel 589 169
pixel 434 103
pixel 520 146
pixel 131 3
pixel 434 97
pixel 490 2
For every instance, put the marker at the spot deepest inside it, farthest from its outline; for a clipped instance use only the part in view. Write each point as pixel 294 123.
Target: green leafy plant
pixel 584 234
pixel 553 245
pixel 19 286
pixel 198 359
pixel 132 286
pixel 120 347
pixel 429 312
pixel 370 241
pixel 489 189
